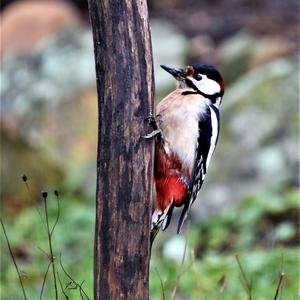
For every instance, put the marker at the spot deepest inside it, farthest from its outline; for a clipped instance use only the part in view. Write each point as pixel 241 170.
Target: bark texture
pixel 125 85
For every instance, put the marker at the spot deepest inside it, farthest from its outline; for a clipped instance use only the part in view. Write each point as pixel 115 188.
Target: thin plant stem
pixel 280 282
pixel 44 252
pixel 44 280
pixel 61 287
pixel 279 289
pixel 76 284
pixel 52 257
pixel 25 180
pixel 161 284
pixel 14 260
pixel 58 211
pixel 283 280
pixel 222 286
pixel 81 290
pixel 247 285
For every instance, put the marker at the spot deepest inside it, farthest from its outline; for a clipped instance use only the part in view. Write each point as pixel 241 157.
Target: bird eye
pixel 198 77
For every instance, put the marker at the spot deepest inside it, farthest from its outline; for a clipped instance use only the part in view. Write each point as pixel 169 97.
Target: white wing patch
pixel 214 135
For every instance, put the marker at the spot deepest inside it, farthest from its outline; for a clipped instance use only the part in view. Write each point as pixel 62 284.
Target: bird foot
pixel 156 130
pixel 152 134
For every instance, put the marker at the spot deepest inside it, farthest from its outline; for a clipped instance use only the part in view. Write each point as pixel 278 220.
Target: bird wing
pixel 208 128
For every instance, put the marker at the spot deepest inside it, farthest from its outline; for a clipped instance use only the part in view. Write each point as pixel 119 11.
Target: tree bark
pixel 125 86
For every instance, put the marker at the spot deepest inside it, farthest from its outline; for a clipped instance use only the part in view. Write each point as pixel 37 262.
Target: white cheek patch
pixel 206 85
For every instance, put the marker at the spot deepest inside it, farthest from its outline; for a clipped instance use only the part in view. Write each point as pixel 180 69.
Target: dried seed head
pixel 44 194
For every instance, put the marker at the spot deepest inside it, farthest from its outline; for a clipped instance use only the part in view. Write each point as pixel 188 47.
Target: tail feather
pixel 154 232
pixel 168 217
pixel 184 215
pixel 161 219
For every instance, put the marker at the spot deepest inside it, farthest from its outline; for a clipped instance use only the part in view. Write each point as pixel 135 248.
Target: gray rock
pixel 63 67
pixel 42 95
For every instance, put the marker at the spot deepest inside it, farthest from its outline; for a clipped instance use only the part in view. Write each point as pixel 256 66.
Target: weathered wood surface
pixel 125 87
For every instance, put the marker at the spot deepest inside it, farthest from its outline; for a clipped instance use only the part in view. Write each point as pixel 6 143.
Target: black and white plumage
pixel 209 127
pixel 188 123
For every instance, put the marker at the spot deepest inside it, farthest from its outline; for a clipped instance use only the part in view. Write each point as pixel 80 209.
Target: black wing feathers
pixel 202 150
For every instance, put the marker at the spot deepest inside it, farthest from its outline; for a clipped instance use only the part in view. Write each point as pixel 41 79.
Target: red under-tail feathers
pixel 171 189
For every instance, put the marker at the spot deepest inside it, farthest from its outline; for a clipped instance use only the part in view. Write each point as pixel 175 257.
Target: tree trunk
pixel 125 85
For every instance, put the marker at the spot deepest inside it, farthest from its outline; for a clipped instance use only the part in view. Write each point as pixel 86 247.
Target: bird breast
pixel 178 118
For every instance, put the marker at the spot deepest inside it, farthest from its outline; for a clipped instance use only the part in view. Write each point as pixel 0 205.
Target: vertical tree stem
pixel 125 86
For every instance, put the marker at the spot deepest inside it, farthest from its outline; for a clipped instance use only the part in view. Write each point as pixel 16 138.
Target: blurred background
pixel 249 204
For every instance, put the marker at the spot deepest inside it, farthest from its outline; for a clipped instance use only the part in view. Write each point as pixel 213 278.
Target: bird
pixel 186 129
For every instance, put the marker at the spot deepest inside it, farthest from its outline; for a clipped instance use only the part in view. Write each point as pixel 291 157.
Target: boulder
pixel 42 96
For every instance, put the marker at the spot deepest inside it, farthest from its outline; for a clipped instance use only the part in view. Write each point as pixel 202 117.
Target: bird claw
pixel 152 121
pixel 149 117
pixel 156 132
pixel 152 134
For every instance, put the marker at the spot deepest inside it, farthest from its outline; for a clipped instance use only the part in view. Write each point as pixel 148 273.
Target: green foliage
pixel 261 229
pixel 72 239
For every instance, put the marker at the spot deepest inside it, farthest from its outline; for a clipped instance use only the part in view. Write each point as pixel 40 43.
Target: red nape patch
pixel 169 189
pixel 190 70
pixel 222 85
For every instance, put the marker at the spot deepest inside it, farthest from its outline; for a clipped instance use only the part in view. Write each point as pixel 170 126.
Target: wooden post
pixel 124 70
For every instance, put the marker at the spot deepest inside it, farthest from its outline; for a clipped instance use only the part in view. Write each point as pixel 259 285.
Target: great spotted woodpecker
pixel 186 129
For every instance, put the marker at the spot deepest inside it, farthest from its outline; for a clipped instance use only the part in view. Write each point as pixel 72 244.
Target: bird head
pixel 199 77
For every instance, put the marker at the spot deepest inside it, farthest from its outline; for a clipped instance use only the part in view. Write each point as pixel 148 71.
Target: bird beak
pixel 179 74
